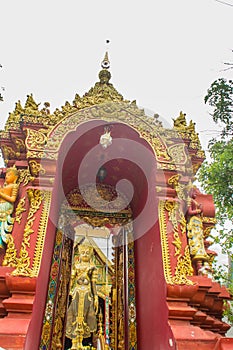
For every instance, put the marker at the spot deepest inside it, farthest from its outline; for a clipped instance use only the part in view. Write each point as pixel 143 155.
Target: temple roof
pixel 102 91
pixel 102 101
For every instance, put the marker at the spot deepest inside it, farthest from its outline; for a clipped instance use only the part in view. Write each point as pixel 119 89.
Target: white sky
pixel 164 54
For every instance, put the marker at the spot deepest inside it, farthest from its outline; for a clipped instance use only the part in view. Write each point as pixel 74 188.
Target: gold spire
pixel 105 64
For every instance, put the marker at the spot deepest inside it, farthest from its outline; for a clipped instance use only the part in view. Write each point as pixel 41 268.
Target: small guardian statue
pixel 8 195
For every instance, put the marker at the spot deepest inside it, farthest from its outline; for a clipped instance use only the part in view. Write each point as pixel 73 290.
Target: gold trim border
pixel 41 234
pixel 164 243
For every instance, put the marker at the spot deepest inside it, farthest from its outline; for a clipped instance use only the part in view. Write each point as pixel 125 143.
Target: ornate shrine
pixel 104 237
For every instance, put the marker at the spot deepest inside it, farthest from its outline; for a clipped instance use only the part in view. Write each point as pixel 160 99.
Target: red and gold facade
pixel 158 294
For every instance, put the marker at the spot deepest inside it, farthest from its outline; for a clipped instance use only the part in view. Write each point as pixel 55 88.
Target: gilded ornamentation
pixel 180 188
pixel 177 167
pixel 120 313
pixel 131 287
pixel 177 153
pixel 60 311
pixel 106 205
pixel 41 233
pixel 164 242
pixel 36 139
pixel 8 153
pixel 196 239
pixel 177 243
pixel 183 269
pixel 100 221
pixel 13 121
pixel 184 266
pixel 25 177
pixel 108 111
pixel 195 167
pixel 20 210
pixel 157 143
pixel 200 153
pixel 180 121
pixel 189 132
pixel 20 145
pixel 182 221
pixel 172 208
pixel 35 197
pixel 51 294
pixel 10 258
pixel 208 220
pixel 207 231
pixel 36 168
pixel 31 107
pixel 98 197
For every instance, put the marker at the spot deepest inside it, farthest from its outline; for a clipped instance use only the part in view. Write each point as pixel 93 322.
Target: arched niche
pixel 130 167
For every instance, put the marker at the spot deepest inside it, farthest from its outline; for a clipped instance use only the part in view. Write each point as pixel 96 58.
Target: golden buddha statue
pixel 82 311
pixel 8 194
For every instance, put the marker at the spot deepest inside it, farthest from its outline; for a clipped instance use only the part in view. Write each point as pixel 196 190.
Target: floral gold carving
pixel 41 233
pixel 184 265
pixel 36 139
pixel 25 177
pixel 19 210
pixel 36 168
pixel 180 188
pixel 177 153
pixel 35 197
pixel 183 269
pixel 164 242
pixel 10 258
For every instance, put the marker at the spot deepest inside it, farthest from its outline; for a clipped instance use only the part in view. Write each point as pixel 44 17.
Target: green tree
pixel 216 175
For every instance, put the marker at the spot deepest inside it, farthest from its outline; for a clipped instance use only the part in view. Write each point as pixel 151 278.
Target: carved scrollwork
pixel 25 177
pixel 183 269
pixel 10 258
pixel 35 197
pixel 177 153
pixel 36 168
pixel 181 189
pixel 19 210
pixel 36 139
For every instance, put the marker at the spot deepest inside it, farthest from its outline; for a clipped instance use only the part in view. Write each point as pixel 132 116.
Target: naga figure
pixel 81 317
pixel 8 195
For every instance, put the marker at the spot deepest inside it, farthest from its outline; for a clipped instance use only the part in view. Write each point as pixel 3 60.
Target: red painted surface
pixel 154 331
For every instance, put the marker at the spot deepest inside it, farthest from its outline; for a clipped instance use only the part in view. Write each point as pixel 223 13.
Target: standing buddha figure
pixel 81 317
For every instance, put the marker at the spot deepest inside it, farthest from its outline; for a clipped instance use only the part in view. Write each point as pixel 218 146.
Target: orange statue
pixel 8 194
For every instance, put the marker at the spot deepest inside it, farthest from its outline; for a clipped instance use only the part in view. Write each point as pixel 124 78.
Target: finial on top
pixel 105 64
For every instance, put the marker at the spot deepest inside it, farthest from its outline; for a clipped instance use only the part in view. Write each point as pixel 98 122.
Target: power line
pixel 224 3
